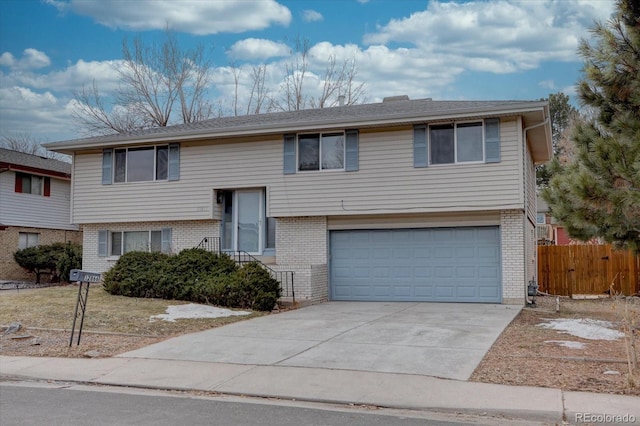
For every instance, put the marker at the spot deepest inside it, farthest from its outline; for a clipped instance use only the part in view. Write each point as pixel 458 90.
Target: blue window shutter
pixel 289 159
pixel 492 140
pixel 420 152
pixel 103 237
pixel 107 166
pixel 166 240
pixel 174 161
pixel 351 151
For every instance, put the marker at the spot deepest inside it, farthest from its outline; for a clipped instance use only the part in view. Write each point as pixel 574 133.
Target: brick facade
pixel 301 246
pixel 184 234
pixel 512 242
pixel 9 237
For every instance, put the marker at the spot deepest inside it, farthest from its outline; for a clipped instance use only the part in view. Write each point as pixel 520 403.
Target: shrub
pixel 187 269
pixel 136 274
pixel 250 287
pixel 195 275
pixel 41 260
pixel 71 258
pixel 256 288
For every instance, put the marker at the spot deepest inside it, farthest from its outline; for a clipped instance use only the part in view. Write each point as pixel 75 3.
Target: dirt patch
pixel 528 354
pixel 56 344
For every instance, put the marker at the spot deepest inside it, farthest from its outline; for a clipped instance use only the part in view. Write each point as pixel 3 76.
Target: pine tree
pixel 562 116
pixel 597 194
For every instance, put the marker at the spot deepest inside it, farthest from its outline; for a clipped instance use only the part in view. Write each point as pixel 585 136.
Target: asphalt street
pixel 37 404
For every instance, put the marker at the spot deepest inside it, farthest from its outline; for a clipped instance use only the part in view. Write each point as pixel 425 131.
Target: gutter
pixel 524 223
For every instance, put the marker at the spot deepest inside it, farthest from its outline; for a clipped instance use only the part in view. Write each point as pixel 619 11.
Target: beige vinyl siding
pixel 530 186
pixel 187 199
pixel 32 210
pixel 386 182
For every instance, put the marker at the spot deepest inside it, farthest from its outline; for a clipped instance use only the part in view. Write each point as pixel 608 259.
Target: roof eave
pixel 68 147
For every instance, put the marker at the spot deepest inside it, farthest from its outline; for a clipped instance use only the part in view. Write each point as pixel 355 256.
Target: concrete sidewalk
pixel 326 385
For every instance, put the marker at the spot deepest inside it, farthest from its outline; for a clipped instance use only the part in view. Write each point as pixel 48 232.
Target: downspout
pixel 524 225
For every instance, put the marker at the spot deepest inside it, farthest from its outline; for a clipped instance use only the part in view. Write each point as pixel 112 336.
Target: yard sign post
pixel 84 279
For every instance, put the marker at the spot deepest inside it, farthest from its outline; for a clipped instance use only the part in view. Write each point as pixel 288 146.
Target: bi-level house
pixel 402 200
pixel 35 194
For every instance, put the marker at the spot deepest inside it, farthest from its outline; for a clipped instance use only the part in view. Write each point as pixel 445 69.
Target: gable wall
pixel 32 210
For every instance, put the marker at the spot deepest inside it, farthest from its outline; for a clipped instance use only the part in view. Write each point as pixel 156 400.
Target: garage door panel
pixel 465 272
pixel 440 264
pixel 421 273
pixel 380 253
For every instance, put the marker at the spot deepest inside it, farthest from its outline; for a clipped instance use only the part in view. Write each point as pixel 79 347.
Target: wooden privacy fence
pixel 587 269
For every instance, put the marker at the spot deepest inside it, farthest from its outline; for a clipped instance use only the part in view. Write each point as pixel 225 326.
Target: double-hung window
pixel 32 184
pixel 456 143
pixel 141 164
pixel 321 151
pixel 28 239
pixel 124 242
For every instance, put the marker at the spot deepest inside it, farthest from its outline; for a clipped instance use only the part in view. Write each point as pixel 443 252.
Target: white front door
pixel 243 222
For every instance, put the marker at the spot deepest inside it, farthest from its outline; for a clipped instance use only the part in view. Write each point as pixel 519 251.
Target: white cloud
pixel 190 16
pixel 257 49
pixel 499 36
pixel 31 59
pixel 547 84
pixel 311 16
pixel 42 115
pixel 68 79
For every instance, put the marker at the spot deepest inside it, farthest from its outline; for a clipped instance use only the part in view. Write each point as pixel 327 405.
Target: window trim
pixel 45 184
pixel 455 143
pixel 320 169
pixel 126 163
pixel 110 252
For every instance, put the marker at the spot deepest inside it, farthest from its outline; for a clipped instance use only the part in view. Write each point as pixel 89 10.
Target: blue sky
pixel 493 49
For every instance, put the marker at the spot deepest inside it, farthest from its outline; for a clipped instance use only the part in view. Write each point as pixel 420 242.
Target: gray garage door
pixel 433 265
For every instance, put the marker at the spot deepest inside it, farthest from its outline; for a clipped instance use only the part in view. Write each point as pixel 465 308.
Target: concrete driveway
pixel 445 340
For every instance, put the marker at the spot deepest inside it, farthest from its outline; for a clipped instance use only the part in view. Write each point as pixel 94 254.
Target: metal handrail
pixel 285 278
pixel 210 244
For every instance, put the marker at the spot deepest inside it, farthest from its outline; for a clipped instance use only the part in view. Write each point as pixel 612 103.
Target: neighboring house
pixel 403 200
pixel 35 194
pixel 548 230
pixel 552 233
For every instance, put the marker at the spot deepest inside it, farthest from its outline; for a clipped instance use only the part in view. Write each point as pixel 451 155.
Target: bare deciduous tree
pixel 27 144
pixel 292 96
pixel 259 91
pixel 337 80
pixel 159 85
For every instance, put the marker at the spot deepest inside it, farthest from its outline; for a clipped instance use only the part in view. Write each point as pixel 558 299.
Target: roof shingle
pixel 33 161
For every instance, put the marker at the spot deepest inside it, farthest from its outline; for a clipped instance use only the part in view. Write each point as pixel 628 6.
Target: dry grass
pixel 48 315
pixel 523 356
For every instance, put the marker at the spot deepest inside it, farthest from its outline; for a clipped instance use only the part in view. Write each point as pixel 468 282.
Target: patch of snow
pixel 584 327
pixel 567 344
pixel 611 372
pixel 193 310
